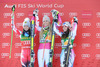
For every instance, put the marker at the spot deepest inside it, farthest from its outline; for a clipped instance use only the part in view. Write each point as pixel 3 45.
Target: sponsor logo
pixel 84 45
pixel 72 14
pixel 86 14
pixel 86 24
pixel 4 45
pixel 19 25
pixel 5 25
pixel 48 14
pixel 98 25
pixel 85 56
pixel 19 15
pixel 84 35
pixel 98 14
pixel 61 14
pixel 5 35
pixel 3 55
pixel 97 56
pixel 58 45
pixel 97 35
pixel 17 45
pixel 17 55
pixel 6 15
pixel 8 6
pixel 98 46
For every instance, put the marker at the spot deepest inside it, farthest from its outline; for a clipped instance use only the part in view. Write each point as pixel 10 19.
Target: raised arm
pixel 13 26
pixel 56 18
pixel 37 20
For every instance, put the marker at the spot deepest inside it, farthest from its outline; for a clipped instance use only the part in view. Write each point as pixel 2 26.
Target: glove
pixel 35 12
pixel 55 14
pixel 71 46
pixel 75 19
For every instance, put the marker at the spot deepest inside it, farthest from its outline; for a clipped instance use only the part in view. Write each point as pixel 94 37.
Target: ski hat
pixel 45 17
pixel 67 24
pixel 26 22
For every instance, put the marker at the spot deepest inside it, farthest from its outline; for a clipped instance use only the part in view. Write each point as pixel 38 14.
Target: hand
pixel 55 14
pixel 71 46
pixel 36 12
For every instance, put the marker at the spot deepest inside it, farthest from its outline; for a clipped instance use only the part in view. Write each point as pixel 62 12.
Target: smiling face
pixel 65 28
pixel 45 23
pixel 26 27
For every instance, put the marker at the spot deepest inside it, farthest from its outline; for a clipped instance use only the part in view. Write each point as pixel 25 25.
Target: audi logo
pixel 48 14
pixel 58 44
pixel 86 45
pixel 61 14
pixel 98 13
pixel 97 34
pixel 20 14
pixel 5 44
pixel 97 55
pixel 6 24
pixel 85 55
pixel 71 14
pixel 17 54
pixel 86 34
pixel 86 24
pixel 4 54
pixel 5 34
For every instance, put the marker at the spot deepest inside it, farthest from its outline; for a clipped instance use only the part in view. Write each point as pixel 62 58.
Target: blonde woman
pixel 44 39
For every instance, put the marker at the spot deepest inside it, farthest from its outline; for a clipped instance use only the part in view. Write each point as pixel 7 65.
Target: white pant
pixel 41 59
pixel 71 58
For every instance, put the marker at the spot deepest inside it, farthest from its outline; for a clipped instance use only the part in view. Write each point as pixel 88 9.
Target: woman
pixel 45 40
pixel 64 39
pixel 25 37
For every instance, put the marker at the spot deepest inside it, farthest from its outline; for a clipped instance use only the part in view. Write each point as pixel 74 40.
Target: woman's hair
pixel 28 31
pixel 65 34
pixel 42 30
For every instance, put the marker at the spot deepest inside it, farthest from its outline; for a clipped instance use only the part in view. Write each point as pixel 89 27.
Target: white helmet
pixel 67 24
pixel 45 17
pixel 26 22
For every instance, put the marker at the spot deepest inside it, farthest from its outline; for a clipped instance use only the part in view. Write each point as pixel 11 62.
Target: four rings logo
pixel 48 14
pixel 19 15
pixel 98 14
pixel 17 45
pixel 3 55
pixel 98 46
pixel 17 55
pixel 5 44
pixel 19 25
pixel 5 35
pixel 86 35
pixel 97 35
pixel 98 25
pixel 86 25
pixel 6 24
pixel 84 45
pixel 6 15
pixel 58 44
pixel 84 56
pixel 61 14
pixel 72 14
pixel 97 56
